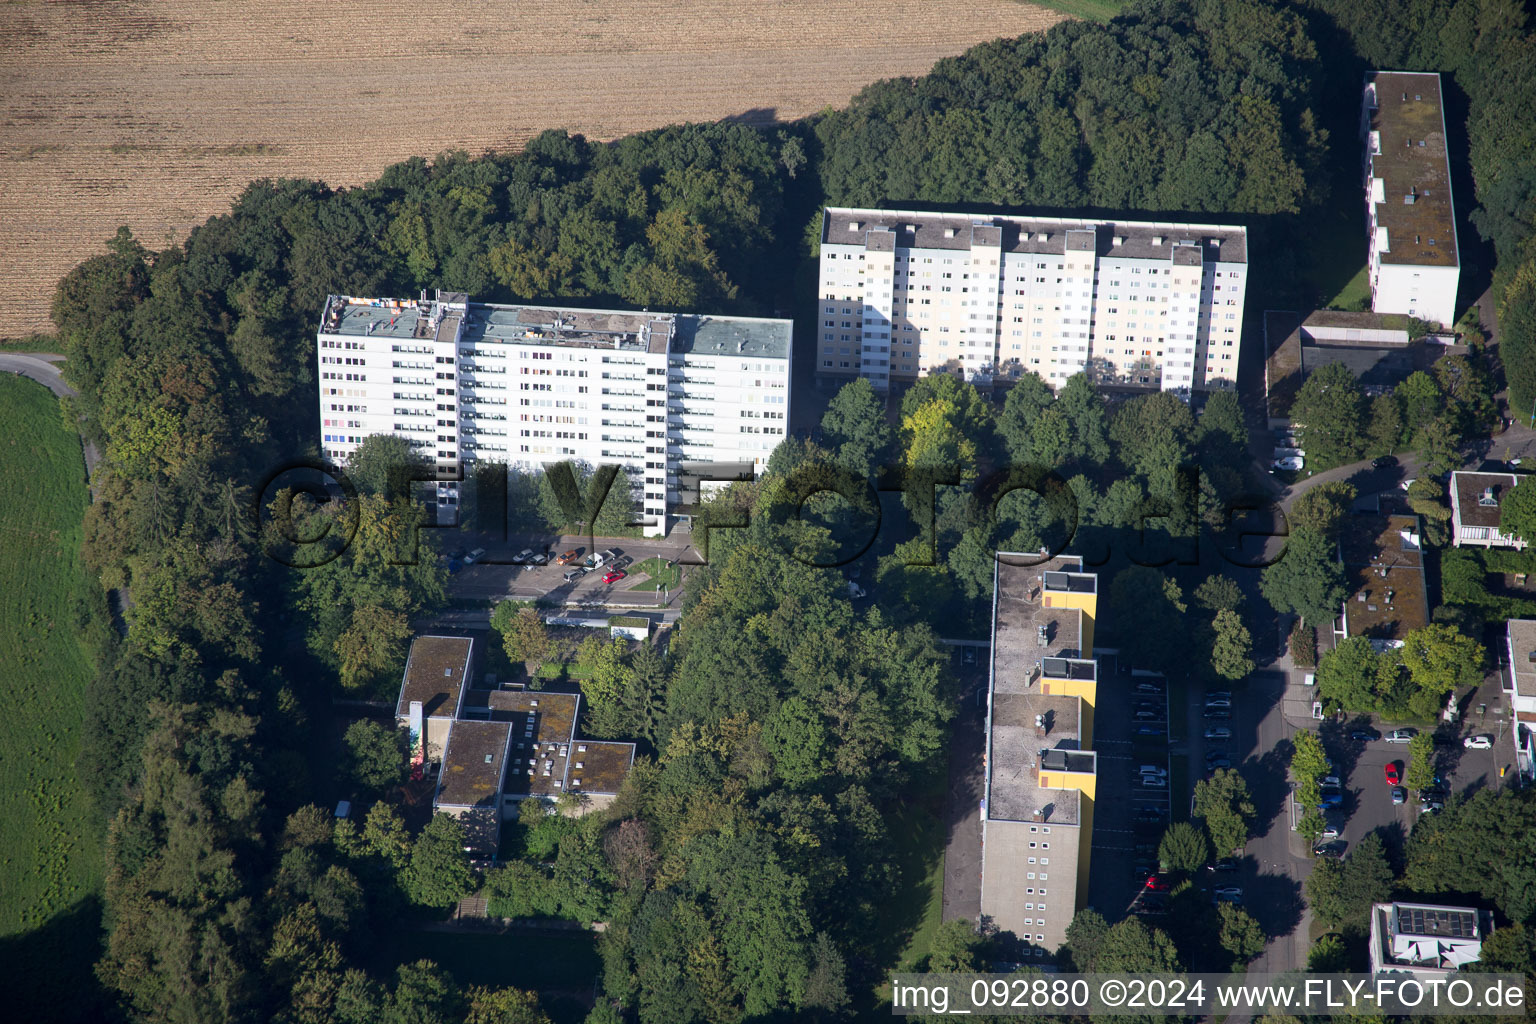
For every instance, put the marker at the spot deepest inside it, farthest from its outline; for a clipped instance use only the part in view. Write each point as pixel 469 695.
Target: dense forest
pixel 746 870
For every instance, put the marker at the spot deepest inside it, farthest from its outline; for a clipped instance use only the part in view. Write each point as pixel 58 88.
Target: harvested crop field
pixel 155 115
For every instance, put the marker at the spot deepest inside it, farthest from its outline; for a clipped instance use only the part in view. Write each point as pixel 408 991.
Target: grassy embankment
pixel 50 855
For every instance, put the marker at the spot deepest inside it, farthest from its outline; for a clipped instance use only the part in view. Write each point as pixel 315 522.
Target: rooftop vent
pixel 1041 637
pixel 1488 498
pixel 448 673
pixel 1216 243
pixel 1531 656
pixel 1157 239
pixel 1118 240
pixel 949 232
pixel 488 758
pixel 853 225
pixel 1408 199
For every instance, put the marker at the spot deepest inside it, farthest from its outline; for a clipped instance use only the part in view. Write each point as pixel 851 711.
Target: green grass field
pixel 554 964
pixel 50 858
pixel 659 572
pixel 1089 10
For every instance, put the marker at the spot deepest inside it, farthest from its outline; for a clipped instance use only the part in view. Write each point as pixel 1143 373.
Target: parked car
pixel 1149 730
pixel 1330 780
pixel 1147 716
pixel 1149 705
pixel 1332 831
pixel 1217 713
pixel 1211 755
pixel 522 556
pixel 571 557
pixel 1287 462
pixel 1383 461
pixel 474 556
pixel 1332 798
pixel 1225 864
pixel 1399 795
pixel 1148 688
pixel 1212 764
pixel 1217 702
pixel 1223 694
pixel 1362 735
pixel 1218 732
pixel 1330 849
pixel 1478 742
pixel 1392 772
pixel 1153 781
pixel 1157 883
pixel 1152 769
pixel 1431 806
pixel 614 575
pixel 574 574
pixel 1401 735
pixel 538 559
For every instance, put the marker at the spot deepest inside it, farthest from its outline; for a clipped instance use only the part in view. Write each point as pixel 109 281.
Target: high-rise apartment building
pixel 1041 771
pixel 1413 262
pixel 1131 303
pixel 469 382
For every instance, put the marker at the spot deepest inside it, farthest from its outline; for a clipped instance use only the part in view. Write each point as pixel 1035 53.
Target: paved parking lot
pixel 495 576
pixel 1129 817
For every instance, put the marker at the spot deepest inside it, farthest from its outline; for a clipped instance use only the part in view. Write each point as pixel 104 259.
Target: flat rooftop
pixel 1522 655
pixel 1470 488
pixel 473 763
pixel 543 725
pixel 480 323
pixel 600 766
pixel 435 673
pixel 1384 568
pixel 1414 167
pixel 920 229
pixel 1434 922
pixel 1028 726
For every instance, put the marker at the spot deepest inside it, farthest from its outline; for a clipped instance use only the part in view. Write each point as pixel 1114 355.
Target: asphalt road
pixel 494 577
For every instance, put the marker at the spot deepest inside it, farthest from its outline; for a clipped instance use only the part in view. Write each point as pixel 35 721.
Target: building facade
pixel 1413 259
pixel 1132 303
pixel 1521 641
pixel 468 382
pixel 1041 784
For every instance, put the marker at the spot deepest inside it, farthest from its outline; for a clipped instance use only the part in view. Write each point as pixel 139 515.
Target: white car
pixel 1288 462
pixel 1478 742
pixel 474 556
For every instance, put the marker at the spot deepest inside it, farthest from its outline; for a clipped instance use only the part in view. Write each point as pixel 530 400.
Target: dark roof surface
pixel 434 675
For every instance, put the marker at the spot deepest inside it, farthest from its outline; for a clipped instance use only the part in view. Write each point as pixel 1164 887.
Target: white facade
pixel 526 386
pixel 1412 251
pixel 1135 303
pixel 1521 638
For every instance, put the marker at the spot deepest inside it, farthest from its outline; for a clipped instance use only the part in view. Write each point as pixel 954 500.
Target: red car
pixel 1157 883
pixel 1392 776
pixel 614 575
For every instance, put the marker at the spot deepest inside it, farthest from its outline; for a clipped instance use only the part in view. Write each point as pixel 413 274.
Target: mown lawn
pixel 50 857
pixel 557 965
pixel 659 572
pixel 1089 10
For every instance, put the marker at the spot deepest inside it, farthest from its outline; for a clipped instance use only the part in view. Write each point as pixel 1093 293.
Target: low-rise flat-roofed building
pixel 1041 773
pixel 1521 640
pixel 470 784
pixel 437 671
pixel 471 382
pixel 500 746
pixel 1413 261
pixel 1475 510
pixel 1383 559
pixel 1140 304
pixel 1423 940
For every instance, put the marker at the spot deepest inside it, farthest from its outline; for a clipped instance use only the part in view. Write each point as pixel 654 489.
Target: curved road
pixel 42 367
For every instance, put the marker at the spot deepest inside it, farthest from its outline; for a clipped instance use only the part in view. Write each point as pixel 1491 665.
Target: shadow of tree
pixel 56 961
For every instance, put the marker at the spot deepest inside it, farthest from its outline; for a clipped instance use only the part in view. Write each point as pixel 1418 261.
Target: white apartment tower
pixel 1130 303
pixel 469 382
pixel 1413 264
